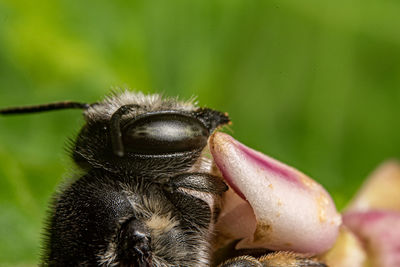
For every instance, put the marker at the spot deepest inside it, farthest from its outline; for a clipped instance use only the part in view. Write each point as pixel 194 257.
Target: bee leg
pixel 200 182
pixel 290 259
pixel 242 261
pixel 197 196
pixel 277 259
pixel 134 244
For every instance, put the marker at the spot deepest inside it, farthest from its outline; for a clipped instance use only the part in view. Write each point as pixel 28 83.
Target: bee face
pixel 144 134
pixel 146 196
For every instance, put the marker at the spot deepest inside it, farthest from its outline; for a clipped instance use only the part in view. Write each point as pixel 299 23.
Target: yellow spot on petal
pixel 322 205
pixel 307 181
pixel 263 232
pixel 271 186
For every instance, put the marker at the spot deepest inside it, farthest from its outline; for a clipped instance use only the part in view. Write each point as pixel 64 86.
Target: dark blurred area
pixel 313 84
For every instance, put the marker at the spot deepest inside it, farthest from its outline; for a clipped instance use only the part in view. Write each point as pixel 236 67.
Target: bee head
pixel 144 134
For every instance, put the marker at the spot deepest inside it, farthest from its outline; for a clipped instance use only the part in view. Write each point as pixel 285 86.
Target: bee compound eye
pixel 164 133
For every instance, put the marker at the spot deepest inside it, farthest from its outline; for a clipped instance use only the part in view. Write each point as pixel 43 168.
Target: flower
pixel 273 206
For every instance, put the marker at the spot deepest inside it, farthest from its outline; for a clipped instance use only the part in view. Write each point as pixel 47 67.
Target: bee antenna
pixel 45 107
pixel 115 128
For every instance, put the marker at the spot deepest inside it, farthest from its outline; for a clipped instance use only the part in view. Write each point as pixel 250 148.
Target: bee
pixel 148 193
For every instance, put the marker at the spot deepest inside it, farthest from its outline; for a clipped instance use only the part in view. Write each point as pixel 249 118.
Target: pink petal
pixel 292 211
pixel 236 220
pixel 380 233
pixel 381 190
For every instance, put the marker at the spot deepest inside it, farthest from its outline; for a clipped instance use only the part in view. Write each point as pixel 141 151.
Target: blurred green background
pixel 312 83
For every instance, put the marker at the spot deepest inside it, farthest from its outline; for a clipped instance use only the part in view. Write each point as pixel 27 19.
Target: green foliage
pixel 312 83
